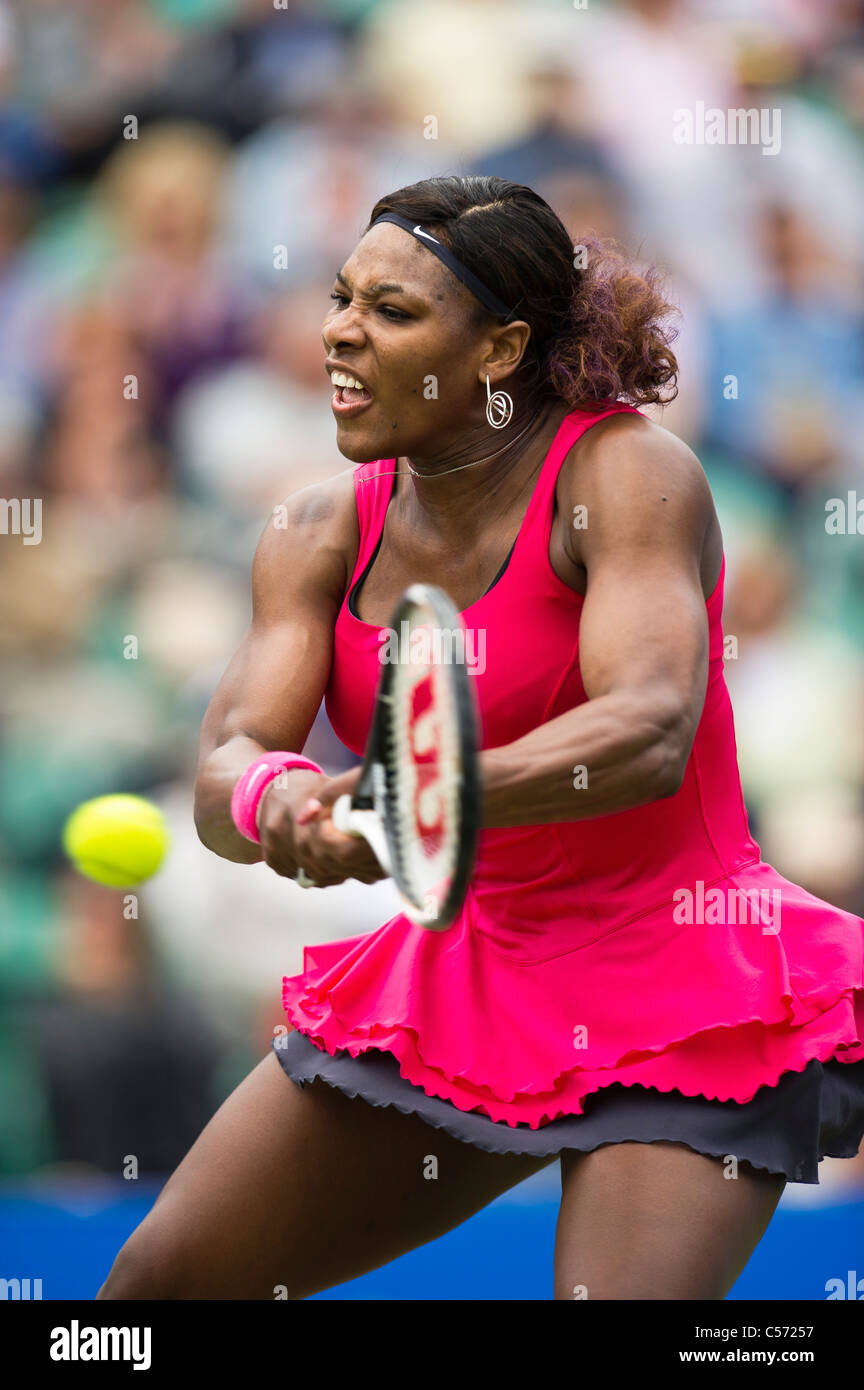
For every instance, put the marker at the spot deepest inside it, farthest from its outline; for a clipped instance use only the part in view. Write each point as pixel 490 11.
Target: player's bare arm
pixel 271 691
pixel 648 552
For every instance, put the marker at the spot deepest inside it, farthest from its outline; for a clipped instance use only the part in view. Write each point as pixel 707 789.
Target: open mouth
pixel 349 394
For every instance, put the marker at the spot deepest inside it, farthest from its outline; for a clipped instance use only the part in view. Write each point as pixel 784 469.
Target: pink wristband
pixel 252 783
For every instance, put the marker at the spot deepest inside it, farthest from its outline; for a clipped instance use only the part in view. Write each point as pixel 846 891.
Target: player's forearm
pixel 214 787
pixel 609 754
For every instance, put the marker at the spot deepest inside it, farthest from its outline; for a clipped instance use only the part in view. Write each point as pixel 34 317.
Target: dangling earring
pixel 499 408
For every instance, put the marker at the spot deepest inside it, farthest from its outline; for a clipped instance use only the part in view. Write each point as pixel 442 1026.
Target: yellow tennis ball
pixel 117 840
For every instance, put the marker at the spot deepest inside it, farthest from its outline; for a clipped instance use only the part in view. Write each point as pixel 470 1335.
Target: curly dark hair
pixel 598 333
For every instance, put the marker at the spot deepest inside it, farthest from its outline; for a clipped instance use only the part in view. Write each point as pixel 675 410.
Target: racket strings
pixel 424 785
pixel 422 771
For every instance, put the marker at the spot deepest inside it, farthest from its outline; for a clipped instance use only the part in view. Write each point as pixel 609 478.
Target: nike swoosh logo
pixel 418 231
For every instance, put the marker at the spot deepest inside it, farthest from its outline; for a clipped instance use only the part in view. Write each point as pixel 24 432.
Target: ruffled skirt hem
pixel 786 1129
pixel 705 1010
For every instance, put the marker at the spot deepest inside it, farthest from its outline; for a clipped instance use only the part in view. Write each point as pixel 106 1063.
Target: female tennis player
pixel 627 986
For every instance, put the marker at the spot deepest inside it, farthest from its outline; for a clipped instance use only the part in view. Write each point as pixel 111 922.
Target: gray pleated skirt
pixel 787 1128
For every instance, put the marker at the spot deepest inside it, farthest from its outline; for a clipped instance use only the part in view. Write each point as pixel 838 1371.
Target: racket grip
pixel 364 825
pixel 341 816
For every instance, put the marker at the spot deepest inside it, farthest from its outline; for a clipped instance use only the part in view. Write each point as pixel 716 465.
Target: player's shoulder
pixel 322 513
pixel 309 536
pixel 324 504
pixel 628 454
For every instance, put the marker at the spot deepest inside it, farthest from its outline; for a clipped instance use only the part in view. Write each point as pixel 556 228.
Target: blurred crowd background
pixel 257 125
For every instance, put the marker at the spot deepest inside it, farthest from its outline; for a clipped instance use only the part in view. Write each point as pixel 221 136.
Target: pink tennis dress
pixel 646 954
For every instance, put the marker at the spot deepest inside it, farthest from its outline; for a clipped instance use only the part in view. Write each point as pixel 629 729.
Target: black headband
pixel 477 288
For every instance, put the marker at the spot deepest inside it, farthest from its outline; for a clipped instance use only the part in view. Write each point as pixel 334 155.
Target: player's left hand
pixel 364 866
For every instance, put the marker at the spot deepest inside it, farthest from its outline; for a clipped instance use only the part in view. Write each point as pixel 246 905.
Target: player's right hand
pixel 311 842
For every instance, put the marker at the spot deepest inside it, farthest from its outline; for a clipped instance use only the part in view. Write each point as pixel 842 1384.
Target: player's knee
pixel 633 1286
pixel 141 1270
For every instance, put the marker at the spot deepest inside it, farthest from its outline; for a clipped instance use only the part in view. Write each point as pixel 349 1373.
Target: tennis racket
pixel 418 798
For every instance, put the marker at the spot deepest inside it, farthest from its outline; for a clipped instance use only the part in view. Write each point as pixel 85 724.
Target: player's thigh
pixel 657 1221
pixel 299 1189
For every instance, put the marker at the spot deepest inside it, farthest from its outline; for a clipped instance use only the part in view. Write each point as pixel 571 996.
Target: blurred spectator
pixel 77 63
pixel 128 1063
pixel 29 155
pixel 796 355
pixel 301 194
pixel 639 63
pixel 98 445
pixel 258 60
pixel 466 64
pixel 798 696
pixel 178 299
pixel 248 435
pixel 559 158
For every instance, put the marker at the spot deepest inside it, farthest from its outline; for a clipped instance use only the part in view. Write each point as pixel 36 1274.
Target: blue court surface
pixel 67 1236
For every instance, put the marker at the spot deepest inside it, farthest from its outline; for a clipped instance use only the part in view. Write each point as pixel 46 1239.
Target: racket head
pixel 423 776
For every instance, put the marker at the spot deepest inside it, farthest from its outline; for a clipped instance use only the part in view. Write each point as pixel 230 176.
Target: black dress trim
pixel 785 1129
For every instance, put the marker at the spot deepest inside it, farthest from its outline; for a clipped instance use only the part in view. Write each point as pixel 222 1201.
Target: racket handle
pixel 367 824
pixel 341 816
